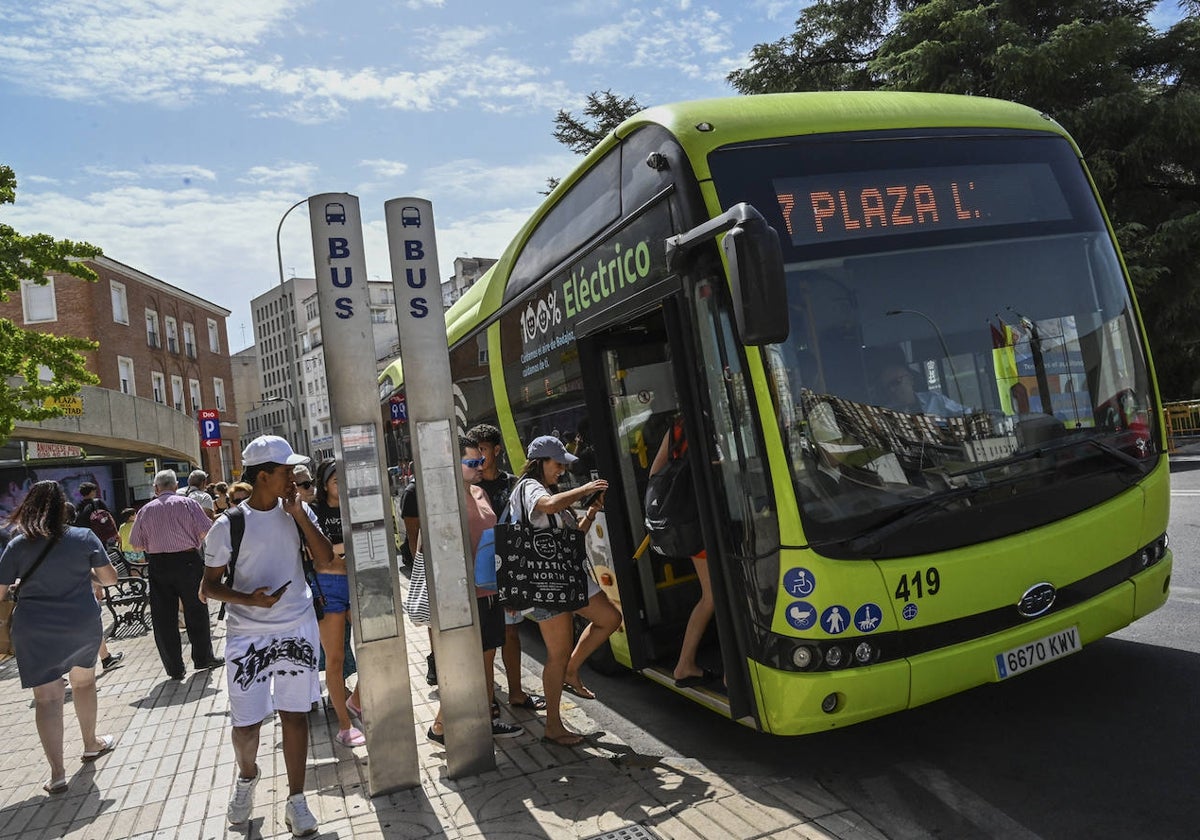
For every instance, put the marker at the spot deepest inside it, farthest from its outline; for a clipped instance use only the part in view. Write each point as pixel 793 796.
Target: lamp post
pixel 941 340
pixel 290 337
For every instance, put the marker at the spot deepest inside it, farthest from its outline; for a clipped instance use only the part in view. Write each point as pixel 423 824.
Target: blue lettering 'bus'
pixel 339 248
pixel 414 249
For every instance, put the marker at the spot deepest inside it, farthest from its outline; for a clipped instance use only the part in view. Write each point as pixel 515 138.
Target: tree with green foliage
pixel 1125 91
pixel 23 352
pixel 602 112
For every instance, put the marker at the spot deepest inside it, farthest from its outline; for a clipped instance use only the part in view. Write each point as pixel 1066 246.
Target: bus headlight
pixel 802 657
pixel 834 656
pixel 863 653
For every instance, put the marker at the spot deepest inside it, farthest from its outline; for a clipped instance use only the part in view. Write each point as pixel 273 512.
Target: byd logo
pixel 540 317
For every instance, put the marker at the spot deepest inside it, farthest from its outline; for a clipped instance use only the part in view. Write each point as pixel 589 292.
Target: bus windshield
pixel 964 360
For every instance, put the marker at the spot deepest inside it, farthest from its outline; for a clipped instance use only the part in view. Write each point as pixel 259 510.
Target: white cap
pixel 270 449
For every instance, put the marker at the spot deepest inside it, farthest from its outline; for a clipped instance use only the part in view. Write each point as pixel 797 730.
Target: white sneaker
pixel 298 818
pixel 242 801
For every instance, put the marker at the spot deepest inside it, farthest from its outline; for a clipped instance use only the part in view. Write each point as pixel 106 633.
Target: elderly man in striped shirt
pixel 171 528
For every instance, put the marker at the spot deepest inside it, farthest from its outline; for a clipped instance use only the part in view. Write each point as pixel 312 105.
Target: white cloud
pixel 175 52
pixel 385 168
pixel 470 180
pixel 694 45
pixel 286 174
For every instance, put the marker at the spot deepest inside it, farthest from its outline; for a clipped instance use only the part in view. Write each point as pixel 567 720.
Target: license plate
pixel 1030 655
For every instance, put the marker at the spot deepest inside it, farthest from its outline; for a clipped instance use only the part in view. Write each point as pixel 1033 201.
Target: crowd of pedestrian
pixel 269 547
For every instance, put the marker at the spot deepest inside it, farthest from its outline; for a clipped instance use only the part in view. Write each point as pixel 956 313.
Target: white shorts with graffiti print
pixel 277 671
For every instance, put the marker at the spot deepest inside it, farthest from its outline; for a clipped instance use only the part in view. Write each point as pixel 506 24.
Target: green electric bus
pixel 924 432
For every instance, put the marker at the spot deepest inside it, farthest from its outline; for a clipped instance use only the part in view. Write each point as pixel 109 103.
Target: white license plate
pixel 1030 655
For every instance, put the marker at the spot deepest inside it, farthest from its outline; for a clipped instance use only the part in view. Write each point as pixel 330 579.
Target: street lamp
pixel 941 340
pixel 291 337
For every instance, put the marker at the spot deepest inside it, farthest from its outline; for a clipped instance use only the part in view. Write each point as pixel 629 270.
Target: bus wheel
pixel 602 661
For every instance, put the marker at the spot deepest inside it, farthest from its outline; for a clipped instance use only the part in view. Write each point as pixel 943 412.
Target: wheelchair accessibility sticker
pixel 799 582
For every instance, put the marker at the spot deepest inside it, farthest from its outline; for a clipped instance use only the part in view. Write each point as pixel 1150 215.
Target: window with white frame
pixel 125 375
pixel 158 384
pixel 194 392
pixel 37 301
pixel 214 337
pixel 219 393
pixel 189 340
pixel 172 334
pixel 153 336
pixel 120 304
pixel 177 392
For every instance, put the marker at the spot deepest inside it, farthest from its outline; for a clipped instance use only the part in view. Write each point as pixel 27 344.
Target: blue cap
pixel 548 446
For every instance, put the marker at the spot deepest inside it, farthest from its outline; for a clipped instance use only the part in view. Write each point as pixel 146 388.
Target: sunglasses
pixel 307 485
pixel 473 463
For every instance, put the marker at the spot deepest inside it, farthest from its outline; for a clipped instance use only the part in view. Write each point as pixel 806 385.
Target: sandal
pixel 706 676
pixel 108 741
pixel 567 739
pixel 581 691
pixel 353 709
pixel 532 702
pixel 54 786
pixel 351 737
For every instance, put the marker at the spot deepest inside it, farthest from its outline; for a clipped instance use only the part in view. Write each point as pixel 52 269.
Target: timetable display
pixel 859 205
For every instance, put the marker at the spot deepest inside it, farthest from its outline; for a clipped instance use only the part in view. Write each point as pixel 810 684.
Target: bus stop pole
pixel 347 333
pixel 425 357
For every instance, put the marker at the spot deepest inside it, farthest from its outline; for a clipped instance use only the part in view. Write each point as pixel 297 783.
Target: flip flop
pixel 109 743
pixel 54 786
pixel 581 691
pixel 532 702
pixel 568 739
pixel 697 679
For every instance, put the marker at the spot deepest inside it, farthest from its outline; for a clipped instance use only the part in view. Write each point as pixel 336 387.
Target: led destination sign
pixel 858 205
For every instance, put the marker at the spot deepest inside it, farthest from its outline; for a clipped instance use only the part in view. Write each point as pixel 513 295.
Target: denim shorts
pixel 336 589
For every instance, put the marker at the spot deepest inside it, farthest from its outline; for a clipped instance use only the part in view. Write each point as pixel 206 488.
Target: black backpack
pixel 672 520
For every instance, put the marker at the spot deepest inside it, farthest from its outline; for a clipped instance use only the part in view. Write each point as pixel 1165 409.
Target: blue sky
pixel 175 133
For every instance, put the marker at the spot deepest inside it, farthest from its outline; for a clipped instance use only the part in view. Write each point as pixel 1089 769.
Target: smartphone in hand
pixel 281 589
pixel 588 501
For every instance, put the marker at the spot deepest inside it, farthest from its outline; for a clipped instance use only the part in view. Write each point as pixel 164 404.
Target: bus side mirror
pixel 755 259
pixel 760 309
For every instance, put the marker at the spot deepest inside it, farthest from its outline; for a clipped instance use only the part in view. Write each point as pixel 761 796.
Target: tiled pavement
pixel 172 772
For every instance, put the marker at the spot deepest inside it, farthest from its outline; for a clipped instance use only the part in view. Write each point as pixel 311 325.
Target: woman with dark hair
pixel 537 496
pixel 56 627
pixel 333 585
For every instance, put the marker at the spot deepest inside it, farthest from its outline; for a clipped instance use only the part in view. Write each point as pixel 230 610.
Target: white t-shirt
pixel 527 492
pixel 269 556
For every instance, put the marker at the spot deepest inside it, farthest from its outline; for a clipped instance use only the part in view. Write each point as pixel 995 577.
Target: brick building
pixel 158 345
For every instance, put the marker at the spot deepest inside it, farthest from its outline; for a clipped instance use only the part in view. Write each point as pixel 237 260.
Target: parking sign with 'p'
pixel 210 427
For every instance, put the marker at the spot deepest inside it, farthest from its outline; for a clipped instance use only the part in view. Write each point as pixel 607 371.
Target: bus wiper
pixel 906 515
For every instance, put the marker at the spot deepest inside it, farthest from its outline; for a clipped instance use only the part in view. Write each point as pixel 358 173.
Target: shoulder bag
pixel 540 567
pixel 12 590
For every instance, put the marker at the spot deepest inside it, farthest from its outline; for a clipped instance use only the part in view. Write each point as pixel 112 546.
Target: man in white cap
pixel 273 638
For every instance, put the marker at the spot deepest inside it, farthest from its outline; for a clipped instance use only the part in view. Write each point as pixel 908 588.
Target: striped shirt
pixel 170 523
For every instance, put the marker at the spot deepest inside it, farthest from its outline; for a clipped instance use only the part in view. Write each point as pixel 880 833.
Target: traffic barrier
pixel 1183 420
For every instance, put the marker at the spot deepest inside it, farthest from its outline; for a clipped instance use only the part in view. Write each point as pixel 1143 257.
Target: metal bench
pixel 128 598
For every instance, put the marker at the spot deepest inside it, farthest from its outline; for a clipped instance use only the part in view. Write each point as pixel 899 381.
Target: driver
pixel 897 390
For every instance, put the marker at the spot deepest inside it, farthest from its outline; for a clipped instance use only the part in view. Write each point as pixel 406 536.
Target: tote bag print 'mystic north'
pixel 540 567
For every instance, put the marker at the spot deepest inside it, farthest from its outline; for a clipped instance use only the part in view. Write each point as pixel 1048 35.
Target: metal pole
pixel 291 337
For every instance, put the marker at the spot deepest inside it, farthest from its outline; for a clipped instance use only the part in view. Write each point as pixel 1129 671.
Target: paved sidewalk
pixel 172 773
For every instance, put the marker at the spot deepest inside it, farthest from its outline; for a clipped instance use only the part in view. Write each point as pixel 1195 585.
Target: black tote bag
pixel 540 567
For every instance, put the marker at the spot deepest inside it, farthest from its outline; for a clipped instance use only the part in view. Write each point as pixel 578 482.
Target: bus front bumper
pixel 791 703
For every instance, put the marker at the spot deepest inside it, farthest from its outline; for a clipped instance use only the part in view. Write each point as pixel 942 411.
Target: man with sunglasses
pixel 305 486
pixel 498 485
